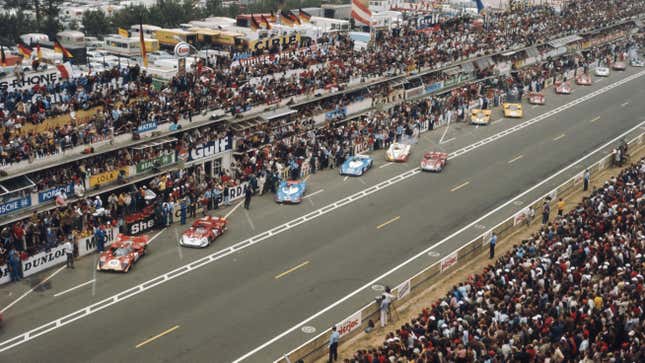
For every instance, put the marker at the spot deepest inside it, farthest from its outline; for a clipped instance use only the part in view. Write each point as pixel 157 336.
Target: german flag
pixel 142 44
pixel 58 48
pixel 254 23
pixel 24 50
pixel 294 18
pixel 285 19
pixel 264 19
pixel 39 53
pixel 3 57
pixel 304 16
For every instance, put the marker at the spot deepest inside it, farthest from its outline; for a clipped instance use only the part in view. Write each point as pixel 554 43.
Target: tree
pixel 96 23
pixel 50 25
pixel 12 26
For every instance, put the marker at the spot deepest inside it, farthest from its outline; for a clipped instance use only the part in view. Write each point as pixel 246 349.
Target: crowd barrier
pixel 317 347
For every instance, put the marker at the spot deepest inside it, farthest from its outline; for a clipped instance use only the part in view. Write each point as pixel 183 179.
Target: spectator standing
pixel 248 193
pixel 68 247
pixel 333 345
pixel 99 235
pixel 15 268
pixel 491 244
pixel 560 206
pixel 384 306
pixel 183 211
pixel 546 210
pixel 585 181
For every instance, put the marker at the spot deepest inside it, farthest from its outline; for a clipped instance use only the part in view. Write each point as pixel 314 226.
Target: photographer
pixel 384 302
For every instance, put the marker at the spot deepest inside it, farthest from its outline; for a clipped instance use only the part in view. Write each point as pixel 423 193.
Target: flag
pixel 123 32
pixel 24 50
pixel 39 53
pixel 480 6
pixel 264 19
pixel 293 17
pixel 142 44
pixel 361 11
pixel 254 23
pixel 3 57
pixel 285 19
pixel 65 70
pixel 58 48
pixel 304 16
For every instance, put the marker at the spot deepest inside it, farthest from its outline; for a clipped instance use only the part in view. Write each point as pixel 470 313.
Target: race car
pixel 398 152
pixel 122 253
pixel 536 98
pixel 480 117
pixel 203 232
pixel 602 71
pixel 619 66
pixel 513 109
pixel 583 80
pixel 636 62
pixel 562 88
pixel 291 191
pixel 356 165
pixel 434 161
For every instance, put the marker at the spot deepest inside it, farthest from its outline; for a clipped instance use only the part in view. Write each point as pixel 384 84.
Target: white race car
pixel 636 62
pixel 398 152
pixel 602 71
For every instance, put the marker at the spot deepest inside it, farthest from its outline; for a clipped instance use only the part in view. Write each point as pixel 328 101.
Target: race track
pixel 230 305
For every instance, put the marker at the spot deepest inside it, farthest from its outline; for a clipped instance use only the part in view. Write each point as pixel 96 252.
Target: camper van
pixel 170 37
pixel 71 38
pixel 128 47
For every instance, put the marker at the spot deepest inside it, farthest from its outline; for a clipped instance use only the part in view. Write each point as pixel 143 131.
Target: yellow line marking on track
pixel 595 119
pixel 558 138
pixel 515 159
pixel 291 270
pixel 388 222
pixel 157 336
pixel 459 186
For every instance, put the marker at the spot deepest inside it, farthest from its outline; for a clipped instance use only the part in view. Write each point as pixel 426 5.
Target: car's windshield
pixel 123 251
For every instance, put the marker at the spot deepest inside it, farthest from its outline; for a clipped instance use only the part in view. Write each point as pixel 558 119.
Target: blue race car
pixel 291 191
pixel 356 165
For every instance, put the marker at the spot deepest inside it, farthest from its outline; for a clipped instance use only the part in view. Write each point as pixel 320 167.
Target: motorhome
pixel 128 47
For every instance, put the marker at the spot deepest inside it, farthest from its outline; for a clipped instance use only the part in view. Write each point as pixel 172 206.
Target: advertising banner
pixel 434 87
pixel 87 245
pixel 106 177
pixel 14 205
pixel 350 324
pixel 403 290
pixel 142 225
pixel 449 261
pixel 30 80
pixel 148 126
pixel 160 161
pixel 210 148
pixel 50 194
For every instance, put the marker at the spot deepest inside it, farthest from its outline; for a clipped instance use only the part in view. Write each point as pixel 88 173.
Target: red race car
pixel 562 88
pixel 584 80
pixel 203 232
pixel 123 253
pixel 619 66
pixel 434 161
pixel 536 98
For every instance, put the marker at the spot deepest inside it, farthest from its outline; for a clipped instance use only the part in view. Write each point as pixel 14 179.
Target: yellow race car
pixel 480 117
pixel 513 110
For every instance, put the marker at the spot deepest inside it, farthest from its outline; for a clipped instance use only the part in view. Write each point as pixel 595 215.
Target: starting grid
pixel 124 295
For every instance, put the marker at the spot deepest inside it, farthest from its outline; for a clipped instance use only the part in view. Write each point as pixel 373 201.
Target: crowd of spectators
pixel 572 292
pixel 127 100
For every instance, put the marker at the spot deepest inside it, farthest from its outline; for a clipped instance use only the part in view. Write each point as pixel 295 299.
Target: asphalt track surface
pixel 227 308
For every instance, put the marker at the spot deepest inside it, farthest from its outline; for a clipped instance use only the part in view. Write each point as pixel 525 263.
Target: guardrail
pixel 316 347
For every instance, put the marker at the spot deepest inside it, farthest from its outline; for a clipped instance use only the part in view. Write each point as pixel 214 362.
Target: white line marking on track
pixel 277 277
pixel 595 119
pixel 497 121
pixel 248 218
pixel 450 139
pixel 74 288
pixel 32 289
pixel 93 267
pixel 444 132
pixel 424 252
pixel 624 104
pixel 217 255
pixel 459 186
pixel 559 137
pixel 156 235
pixel 347 177
pixel 314 193
pixel 515 159
pixel 233 210
pixel 385 165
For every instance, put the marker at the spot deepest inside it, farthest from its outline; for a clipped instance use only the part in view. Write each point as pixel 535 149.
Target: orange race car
pixel 123 253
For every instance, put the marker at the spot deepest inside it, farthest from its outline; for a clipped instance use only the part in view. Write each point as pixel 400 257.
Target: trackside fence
pixel 316 347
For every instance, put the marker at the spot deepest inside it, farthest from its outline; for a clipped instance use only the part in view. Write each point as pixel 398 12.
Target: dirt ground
pixel 412 307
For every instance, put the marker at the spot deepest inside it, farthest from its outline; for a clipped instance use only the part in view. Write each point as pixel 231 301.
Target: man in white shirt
pixel 68 247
